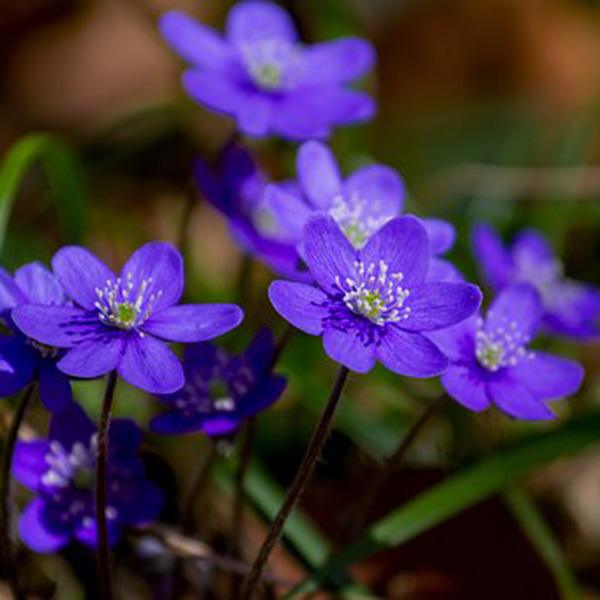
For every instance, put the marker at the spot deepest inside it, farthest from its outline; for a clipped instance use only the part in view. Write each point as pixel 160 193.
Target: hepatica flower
pixel 221 390
pixel 260 74
pixel 570 308
pixel 22 359
pixel 360 204
pixel 122 322
pixel 235 188
pixel 491 363
pixel 60 471
pixel 374 303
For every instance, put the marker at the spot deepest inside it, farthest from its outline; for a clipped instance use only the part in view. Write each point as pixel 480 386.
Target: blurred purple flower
pixel 60 470
pixel 374 303
pixel 570 308
pixel 222 391
pixel 491 364
pixel 21 358
pixel 265 78
pixel 123 322
pixel 360 204
pixel 235 188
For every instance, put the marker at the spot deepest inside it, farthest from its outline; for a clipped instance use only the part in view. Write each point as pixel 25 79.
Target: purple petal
pixel 81 274
pixel 251 22
pixel 574 311
pixel 265 394
pixel 148 364
pixel 253 114
pixel 457 342
pixel 11 294
pixel 336 106
pixel 443 270
pixel 161 265
pixel 125 439
pixel 439 305
pixel 380 188
pixel 349 349
pixel 29 462
pixel 338 61
pixel 213 91
pixel 304 306
pixel 71 425
pixel 548 377
pixel 94 357
pixel 410 354
pixel 328 253
pixel 18 362
pixel 517 401
pixel 40 285
pixel 87 532
pixel 296 120
pixel 531 248
pixel 318 174
pixel 494 260
pixel 58 326
pixel 220 425
pixel 173 422
pixel 194 42
pixel 54 387
pixel 194 322
pixel 517 307
pixel 441 235
pixel 288 209
pixel 37 533
pixel 466 388
pixel 401 243
pixel 147 506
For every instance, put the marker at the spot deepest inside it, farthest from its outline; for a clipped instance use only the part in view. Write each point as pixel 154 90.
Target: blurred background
pixel 490 110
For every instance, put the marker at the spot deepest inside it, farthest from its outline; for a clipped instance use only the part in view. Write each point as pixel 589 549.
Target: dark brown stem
pixel 281 345
pixel 103 550
pixel 391 466
pixel 190 202
pixel 188 523
pixel 7 558
pixel 296 489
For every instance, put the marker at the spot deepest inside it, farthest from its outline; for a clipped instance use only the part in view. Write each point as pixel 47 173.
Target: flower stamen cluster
pixel 268 62
pixel 503 346
pixel 71 468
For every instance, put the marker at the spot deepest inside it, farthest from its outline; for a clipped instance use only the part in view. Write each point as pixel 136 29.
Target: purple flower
pixel 570 308
pixel 491 364
pixel 21 358
pixel 123 322
pixel 262 76
pixel 221 391
pixel 61 472
pixel 374 303
pixel 360 204
pixel 235 188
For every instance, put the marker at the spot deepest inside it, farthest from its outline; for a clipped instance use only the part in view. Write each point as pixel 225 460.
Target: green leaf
pixel 541 537
pixel 64 173
pixel 458 492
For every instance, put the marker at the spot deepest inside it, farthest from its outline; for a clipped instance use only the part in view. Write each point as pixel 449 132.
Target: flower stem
pixel 295 491
pixel 192 199
pixel 392 464
pixel 7 559
pixel 102 551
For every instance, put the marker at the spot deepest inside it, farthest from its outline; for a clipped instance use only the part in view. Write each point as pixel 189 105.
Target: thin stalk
pixel 391 466
pixel 7 559
pixel 190 202
pixel 295 491
pixel 102 550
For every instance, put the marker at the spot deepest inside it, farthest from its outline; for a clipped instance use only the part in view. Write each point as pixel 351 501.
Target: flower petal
pixel 443 270
pixel 18 362
pixel 36 531
pixel 251 22
pixel 161 265
pixel 173 422
pixel 39 285
pixel 289 210
pixel 410 354
pixel 439 305
pixel 194 42
pixel 441 235
pixel 295 119
pixel 548 377
pixel 575 311
pixel 71 425
pixel 11 294
pixel 213 91
pixel 29 462
pixel 58 326
pixel 466 388
pixel 494 260
pixel 304 306
pixel 335 105
pixel 318 174
pixel 94 357
pixel 349 349
pixel 263 396
pixel 517 307
pixel 517 401
pixel 253 114
pixel 148 364
pixel 457 342
pixel 54 387
pixel 532 248
pixel 194 322
pixel 328 253
pixel 80 273
pixel 338 60
pixel 402 243
pixel 146 507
